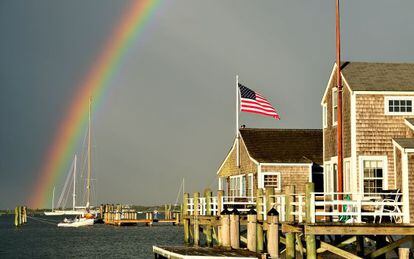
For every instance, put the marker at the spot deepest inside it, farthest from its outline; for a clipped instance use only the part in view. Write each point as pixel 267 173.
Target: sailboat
pixel 86 218
pixel 53 212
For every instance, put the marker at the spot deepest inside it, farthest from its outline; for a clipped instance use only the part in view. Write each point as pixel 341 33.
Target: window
pixel 347 175
pixel 237 186
pixel 334 106
pixel 373 176
pixel 271 180
pixel 250 185
pixel 398 105
pixel 325 115
pixel 328 178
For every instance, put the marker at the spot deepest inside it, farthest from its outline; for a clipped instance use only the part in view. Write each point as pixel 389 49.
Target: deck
pixel 185 252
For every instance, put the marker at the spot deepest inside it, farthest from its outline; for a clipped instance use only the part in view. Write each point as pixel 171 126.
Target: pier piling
pixel 251 230
pixel 273 233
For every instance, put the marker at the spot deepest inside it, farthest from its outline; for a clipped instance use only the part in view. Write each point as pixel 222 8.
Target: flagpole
pixel 339 119
pixel 237 122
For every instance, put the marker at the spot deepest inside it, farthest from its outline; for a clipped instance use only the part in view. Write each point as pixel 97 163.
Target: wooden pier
pixel 118 215
pixel 292 226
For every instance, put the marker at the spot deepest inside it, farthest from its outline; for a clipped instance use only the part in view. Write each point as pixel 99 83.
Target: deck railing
pixel 323 206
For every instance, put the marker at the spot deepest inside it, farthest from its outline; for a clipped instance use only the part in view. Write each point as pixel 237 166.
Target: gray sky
pixel 170 109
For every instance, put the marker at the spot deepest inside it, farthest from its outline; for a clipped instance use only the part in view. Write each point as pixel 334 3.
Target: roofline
pixel 384 92
pixel 247 150
pixel 286 164
pixel 330 81
pixel 405 150
pixel 411 126
pixel 228 154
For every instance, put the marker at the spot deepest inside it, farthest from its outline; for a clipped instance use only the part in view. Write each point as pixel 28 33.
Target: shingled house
pixel 378 143
pixel 272 158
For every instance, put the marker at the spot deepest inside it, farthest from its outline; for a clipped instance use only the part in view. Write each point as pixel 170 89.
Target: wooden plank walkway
pixel 185 252
pixel 126 222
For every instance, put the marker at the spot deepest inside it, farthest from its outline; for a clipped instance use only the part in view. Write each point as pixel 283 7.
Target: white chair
pixel 389 206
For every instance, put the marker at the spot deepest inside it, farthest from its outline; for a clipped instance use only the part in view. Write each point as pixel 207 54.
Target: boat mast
pixel 88 187
pixel 74 183
pixel 53 199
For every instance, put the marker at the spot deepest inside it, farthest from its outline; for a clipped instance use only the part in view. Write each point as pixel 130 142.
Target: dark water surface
pixel 45 240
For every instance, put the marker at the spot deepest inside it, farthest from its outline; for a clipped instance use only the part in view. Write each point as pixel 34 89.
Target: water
pixel 42 240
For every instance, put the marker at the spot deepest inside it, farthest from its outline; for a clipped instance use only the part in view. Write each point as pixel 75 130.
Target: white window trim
pixel 250 178
pixel 388 98
pixel 348 160
pixel 279 182
pixel 325 115
pixel 334 123
pixel 384 160
pixel 240 179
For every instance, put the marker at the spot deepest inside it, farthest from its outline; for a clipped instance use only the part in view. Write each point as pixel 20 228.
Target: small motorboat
pixel 86 220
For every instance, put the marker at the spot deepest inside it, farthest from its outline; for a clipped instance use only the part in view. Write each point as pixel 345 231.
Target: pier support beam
pixel 251 230
pixel 225 230
pixel 310 239
pixel 186 220
pixel 196 236
pixel 235 229
pixel 260 218
pixel 208 229
pixel 273 233
pixel 290 237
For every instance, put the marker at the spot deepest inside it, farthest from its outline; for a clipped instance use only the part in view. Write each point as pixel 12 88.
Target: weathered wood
pixel 288 228
pixel 259 229
pixel 383 250
pixel 208 228
pixel 16 216
pixel 299 246
pixel 186 221
pixel 225 230
pixel 220 195
pixel 251 232
pixel 273 235
pixel 196 237
pixel 290 237
pixel 235 231
pixel 359 229
pixel 380 242
pixel 310 239
pixel 338 251
pixel 269 192
pixel 403 253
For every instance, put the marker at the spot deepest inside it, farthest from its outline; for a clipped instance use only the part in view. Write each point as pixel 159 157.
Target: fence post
pixel 273 233
pixel 290 237
pixel 403 253
pixel 186 219
pixel 16 217
pixel 251 230
pixel 225 228
pixel 310 239
pixel 235 229
pixel 196 235
pixel 220 195
pixel 260 218
pixel 208 228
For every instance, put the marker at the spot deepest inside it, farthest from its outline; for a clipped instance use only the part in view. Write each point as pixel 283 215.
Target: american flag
pixel 251 101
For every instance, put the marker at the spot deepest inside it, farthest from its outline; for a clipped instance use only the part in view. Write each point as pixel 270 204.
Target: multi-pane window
pixel 249 184
pixel 334 106
pixel 373 176
pixel 271 180
pixel 234 189
pixel 398 105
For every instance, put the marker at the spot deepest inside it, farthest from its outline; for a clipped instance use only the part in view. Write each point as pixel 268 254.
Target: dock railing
pixel 356 207
pixel 323 206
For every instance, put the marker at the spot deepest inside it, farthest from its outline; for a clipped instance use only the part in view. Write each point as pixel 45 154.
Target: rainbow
pixel 61 151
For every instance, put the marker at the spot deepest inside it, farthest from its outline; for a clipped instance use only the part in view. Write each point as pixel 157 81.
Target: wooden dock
pixel 132 222
pixel 289 226
pixel 185 252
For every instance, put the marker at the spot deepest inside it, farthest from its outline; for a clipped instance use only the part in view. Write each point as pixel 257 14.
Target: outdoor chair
pixel 392 206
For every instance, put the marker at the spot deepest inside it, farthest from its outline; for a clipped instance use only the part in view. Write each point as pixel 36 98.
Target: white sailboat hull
pixel 77 223
pixel 54 213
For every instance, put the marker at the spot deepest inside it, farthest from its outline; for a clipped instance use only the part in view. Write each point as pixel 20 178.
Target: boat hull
pixel 75 224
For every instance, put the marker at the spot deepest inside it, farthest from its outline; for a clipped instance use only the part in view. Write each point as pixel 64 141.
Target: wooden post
pixel 16 217
pixel 403 253
pixel 251 230
pixel 225 229
pixel 270 192
pixel 186 220
pixel 310 239
pixel 273 233
pixel 290 237
pixel 260 218
pixel 20 214
pixel 220 195
pixel 235 229
pixel 208 228
pixel 196 236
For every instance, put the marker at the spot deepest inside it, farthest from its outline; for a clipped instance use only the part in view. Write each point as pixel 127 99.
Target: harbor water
pixel 43 239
